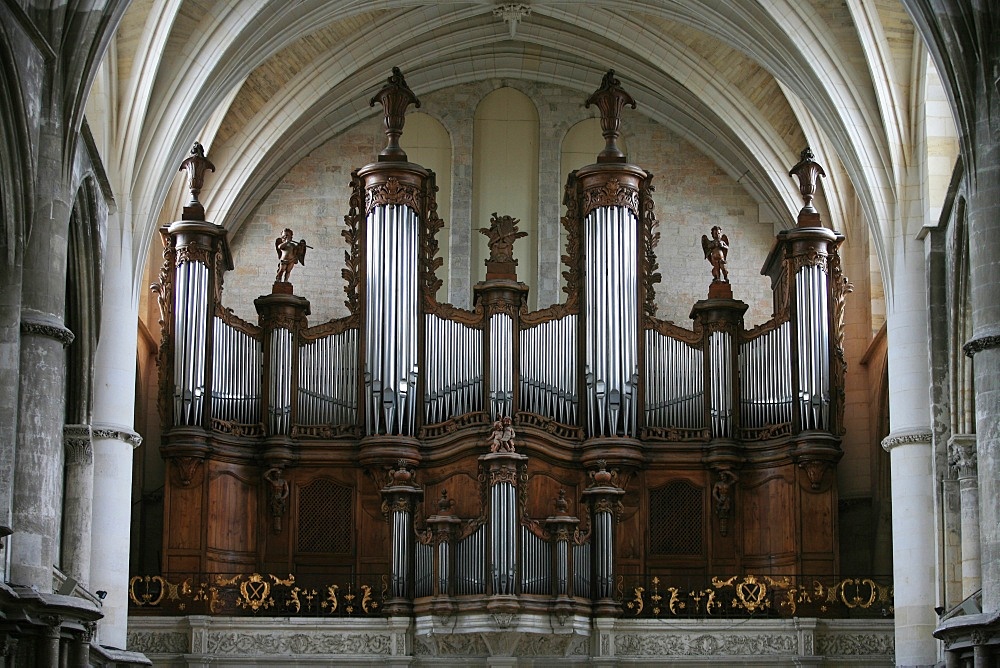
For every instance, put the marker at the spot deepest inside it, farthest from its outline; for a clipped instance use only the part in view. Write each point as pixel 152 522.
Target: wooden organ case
pixel 497 459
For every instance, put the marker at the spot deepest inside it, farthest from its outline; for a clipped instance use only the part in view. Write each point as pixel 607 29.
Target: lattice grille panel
pixel 676 514
pixel 326 518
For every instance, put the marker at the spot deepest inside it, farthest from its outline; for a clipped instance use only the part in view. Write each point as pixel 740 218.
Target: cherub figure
pixel 502 436
pixel 290 253
pixel 716 251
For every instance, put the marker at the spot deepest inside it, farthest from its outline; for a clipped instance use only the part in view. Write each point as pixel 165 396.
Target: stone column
pixel 114 439
pixel 984 269
pixel 909 447
pixel 77 506
pixel 962 457
pixel 38 461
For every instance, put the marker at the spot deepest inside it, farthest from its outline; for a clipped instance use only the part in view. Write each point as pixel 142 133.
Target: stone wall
pixel 692 194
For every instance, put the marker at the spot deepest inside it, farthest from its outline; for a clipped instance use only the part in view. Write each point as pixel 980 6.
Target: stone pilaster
pixel 962 458
pixel 77 508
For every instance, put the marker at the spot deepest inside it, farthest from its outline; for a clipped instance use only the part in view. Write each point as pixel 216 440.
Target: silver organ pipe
pixel 581 570
pixel 548 369
pixel 813 347
pixel 423 570
pixel 611 327
pixel 501 365
pixel 236 360
pixel 470 556
pixel 503 537
pixel 562 567
pixel 720 372
pixel 675 383
pixel 604 553
pixel 280 390
pixel 391 319
pixel 454 364
pixel 536 563
pixel 444 566
pixel 328 380
pixel 765 379
pixel 402 549
pixel 190 332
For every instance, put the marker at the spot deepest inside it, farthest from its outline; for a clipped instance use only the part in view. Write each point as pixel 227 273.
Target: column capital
pixel 908 437
pixel 78 441
pixel 962 455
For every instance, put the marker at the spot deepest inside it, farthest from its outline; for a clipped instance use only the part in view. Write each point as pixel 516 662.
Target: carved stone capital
pixel 909 438
pixel 123 434
pixel 980 344
pixel 962 455
pixel 78 442
pixel 41 326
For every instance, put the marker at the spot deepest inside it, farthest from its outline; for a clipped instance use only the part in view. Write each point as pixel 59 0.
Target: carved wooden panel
pixel 183 517
pixel 769 521
pixel 232 508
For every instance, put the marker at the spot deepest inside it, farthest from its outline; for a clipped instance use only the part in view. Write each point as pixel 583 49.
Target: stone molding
pixel 47 328
pixel 259 642
pixel 962 455
pixel 117 432
pixel 78 441
pixel 908 438
pixel 980 344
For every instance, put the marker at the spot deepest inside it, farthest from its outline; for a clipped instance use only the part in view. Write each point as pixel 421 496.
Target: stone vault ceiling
pixel 749 83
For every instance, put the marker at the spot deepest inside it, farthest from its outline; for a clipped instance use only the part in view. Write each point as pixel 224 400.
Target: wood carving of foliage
pixel 429 261
pixel 572 259
pixel 650 238
pixel 352 257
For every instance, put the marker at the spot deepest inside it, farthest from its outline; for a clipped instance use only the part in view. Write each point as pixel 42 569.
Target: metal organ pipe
pixel 548 369
pixel 454 363
pixel 190 332
pixel 391 318
pixel 235 374
pixel 328 380
pixel 675 383
pixel 611 342
pixel 813 347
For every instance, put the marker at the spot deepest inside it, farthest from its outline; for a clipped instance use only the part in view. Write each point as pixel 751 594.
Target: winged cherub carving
pixel 716 251
pixel 290 253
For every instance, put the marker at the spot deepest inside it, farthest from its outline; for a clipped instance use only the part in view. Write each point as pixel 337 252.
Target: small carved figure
pixel 279 496
pixel 502 436
pixel 716 251
pixel 722 493
pixel 290 253
pixel 503 233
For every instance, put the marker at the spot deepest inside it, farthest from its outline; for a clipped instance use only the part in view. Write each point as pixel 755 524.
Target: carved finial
pixel 395 97
pixel 512 13
pixel 562 505
pixel 610 99
pixel 445 504
pixel 807 171
pixel 401 475
pixel 195 165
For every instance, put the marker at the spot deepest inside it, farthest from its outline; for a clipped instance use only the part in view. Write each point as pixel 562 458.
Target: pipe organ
pixel 545 437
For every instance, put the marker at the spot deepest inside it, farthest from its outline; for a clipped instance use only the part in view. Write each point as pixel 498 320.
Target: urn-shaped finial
pixel 395 97
pixel 808 172
pixel 610 99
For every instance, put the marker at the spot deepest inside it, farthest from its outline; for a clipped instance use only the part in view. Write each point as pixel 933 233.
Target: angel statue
pixel 716 250
pixel 290 253
pixel 502 436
